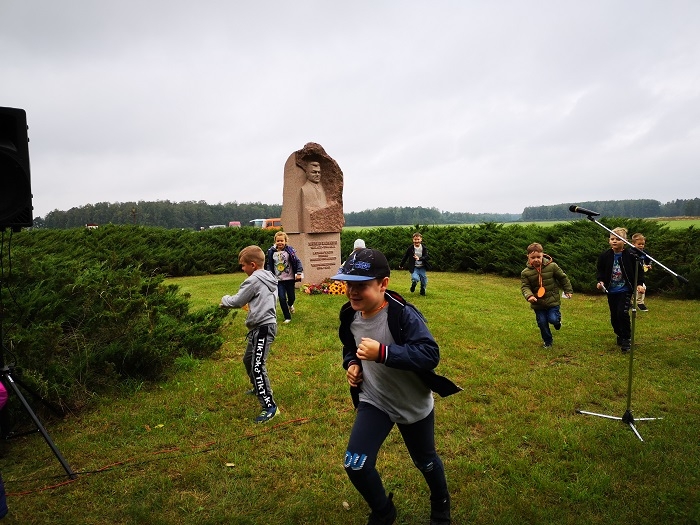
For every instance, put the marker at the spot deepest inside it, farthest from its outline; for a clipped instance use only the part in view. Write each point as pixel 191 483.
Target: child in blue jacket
pixel 389 355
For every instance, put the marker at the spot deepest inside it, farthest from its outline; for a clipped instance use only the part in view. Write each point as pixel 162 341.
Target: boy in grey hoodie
pixel 258 291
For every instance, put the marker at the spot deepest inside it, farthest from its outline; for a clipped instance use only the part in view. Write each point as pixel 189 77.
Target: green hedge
pixel 85 318
pixel 501 249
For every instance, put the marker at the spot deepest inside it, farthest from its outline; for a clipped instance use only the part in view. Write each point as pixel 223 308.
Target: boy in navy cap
pixel 389 355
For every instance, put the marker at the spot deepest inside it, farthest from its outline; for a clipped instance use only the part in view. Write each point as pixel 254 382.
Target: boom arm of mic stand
pixel 635 250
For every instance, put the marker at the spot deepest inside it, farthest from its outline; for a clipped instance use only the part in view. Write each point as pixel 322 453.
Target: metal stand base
pixel 6 377
pixel 627 418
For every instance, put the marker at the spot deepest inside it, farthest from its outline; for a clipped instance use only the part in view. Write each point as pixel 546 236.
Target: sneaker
pixel 547 345
pixel 557 326
pixel 422 291
pixel 625 345
pixel 267 414
pixel 642 307
pixel 291 309
pixel 287 321
pixel 440 512
pixel 413 286
pixel 384 519
pixel 619 341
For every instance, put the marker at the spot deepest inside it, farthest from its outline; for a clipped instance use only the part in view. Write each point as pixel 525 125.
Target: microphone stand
pixel 627 417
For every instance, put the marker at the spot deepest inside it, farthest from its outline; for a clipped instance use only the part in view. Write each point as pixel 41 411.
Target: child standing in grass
pixel 389 355
pixel 615 275
pixel 639 242
pixel 541 283
pixel 283 262
pixel 418 261
pixel 258 292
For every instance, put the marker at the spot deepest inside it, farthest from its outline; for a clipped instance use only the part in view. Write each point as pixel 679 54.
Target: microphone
pixel 578 209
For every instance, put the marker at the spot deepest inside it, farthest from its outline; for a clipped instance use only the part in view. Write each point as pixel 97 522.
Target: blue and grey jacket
pixel 414 348
pixel 294 260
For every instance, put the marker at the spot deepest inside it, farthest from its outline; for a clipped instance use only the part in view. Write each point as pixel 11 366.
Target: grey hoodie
pixel 259 292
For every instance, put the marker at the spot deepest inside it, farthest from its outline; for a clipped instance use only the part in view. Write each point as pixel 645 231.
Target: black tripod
pixel 11 386
pixel 627 417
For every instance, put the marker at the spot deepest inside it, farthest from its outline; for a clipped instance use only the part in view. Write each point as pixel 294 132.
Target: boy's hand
pixel 368 349
pixel 354 375
pixel 568 295
pixel 532 299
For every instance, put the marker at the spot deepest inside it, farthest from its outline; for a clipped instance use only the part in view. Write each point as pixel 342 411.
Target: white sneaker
pixel 287 321
pixel 291 309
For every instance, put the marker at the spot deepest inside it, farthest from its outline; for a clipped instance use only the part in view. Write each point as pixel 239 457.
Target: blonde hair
pixel 622 232
pixel 534 247
pixel 638 237
pixel 252 254
pixel 282 234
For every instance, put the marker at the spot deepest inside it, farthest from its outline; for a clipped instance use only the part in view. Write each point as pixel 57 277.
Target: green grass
pixel 514 448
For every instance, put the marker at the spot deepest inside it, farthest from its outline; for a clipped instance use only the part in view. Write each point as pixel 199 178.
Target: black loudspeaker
pixel 15 186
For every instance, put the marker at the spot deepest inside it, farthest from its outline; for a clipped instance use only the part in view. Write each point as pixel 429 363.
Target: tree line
pixel 636 208
pixel 196 215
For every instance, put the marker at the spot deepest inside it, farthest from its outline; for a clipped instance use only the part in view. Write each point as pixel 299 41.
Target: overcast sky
pixel 464 106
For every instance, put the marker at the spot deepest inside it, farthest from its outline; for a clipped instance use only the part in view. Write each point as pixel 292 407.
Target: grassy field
pixel 515 450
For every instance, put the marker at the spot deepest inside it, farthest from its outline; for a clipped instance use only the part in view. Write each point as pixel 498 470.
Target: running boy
pixel 389 355
pixel 283 262
pixel 418 262
pixel 541 283
pixel 640 242
pixel 615 275
pixel 258 292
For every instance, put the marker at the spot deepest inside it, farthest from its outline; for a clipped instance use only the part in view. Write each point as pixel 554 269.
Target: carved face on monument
pixel 313 172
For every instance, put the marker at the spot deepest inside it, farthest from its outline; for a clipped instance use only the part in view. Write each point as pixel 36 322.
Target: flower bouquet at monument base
pixel 327 286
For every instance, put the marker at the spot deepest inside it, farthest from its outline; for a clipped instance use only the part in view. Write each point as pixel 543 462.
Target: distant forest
pixel 199 214
pixel 635 209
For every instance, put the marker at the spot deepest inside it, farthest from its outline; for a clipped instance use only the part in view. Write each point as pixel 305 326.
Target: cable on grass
pixel 133 462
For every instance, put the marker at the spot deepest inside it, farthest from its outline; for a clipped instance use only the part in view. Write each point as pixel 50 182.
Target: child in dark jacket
pixel 389 356
pixel 417 261
pixel 615 274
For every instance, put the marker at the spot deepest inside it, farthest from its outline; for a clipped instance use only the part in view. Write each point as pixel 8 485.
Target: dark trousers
pixel 619 304
pixel 257 349
pixel 371 428
pixel 287 293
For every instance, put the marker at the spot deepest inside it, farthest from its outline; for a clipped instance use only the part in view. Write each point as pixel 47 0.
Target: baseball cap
pixel 364 265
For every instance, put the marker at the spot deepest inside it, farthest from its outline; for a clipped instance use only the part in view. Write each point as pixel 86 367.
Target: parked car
pixel 267 224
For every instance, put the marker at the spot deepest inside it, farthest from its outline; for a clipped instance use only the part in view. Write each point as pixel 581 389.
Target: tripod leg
pixel 635 431
pixel 599 415
pixel 39 426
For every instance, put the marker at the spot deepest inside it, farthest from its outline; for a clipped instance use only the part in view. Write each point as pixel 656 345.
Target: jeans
pixel 546 317
pixel 419 274
pixel 371 428
pixel 287 293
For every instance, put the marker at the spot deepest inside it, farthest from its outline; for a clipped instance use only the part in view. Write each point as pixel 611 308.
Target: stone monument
pixel 312 210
